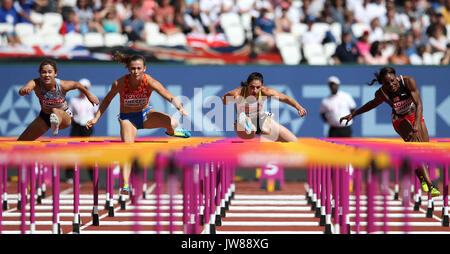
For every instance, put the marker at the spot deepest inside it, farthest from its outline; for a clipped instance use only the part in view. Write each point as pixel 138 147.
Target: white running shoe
pixel 54 122
pixel 243 121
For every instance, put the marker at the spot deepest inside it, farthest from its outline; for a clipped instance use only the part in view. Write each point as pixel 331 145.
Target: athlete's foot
pixel 434 191
pixel 181 133
pixel 54 123
pixel 125 191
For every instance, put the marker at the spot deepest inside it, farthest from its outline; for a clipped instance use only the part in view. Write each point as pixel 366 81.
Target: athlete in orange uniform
pixel 252 120
pixel 402 94
pixel 135 112
pixel 51 92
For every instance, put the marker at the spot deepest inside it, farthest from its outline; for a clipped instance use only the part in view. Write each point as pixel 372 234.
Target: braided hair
pixel 378 75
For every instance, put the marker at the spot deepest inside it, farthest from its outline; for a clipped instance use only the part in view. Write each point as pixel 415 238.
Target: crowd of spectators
pixel 398 31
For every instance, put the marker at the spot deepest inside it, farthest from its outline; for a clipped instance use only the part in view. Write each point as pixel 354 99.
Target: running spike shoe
pixel 423 184
pixel 434 191
pixel 181 133
pixel 243 121
pixel 54 123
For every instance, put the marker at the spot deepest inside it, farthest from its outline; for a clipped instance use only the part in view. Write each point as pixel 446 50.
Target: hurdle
pixel 207 167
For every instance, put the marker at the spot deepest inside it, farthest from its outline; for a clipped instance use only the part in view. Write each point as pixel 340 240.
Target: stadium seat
pixel 6 27
pixel 32 40
pixel 151 28
pixel 52 40
pixel 158 39
pixel 178 39
pixel 36 17
pixel 73 39
pixel 93 39
pixel 336 30
pixel 235 35
pixel 230 19
pixel 115 39
pixel 289 48
pixel 329 49
pixel 290 54
pixel 51 23
pixel 320 28
pixel 246 21
pixel 437 57
pixel 447 26
pixel 359 28
pixel 298 29
pixel 23 29
pixel 233 28
pixel 314 54
pixel 285 39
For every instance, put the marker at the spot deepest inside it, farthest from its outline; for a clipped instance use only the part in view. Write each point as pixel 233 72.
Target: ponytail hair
pixel 378 75
pixel 126 59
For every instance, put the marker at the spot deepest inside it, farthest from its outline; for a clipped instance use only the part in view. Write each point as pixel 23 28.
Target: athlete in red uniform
pixel 135 89
pixel 402 94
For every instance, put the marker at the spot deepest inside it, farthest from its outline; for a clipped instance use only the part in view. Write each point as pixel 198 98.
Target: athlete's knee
pixel 173 122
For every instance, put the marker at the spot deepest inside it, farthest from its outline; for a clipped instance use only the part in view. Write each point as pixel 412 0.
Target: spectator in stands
pixel 363 12
pixel 305 10
pixel 377 8
pixel 446 59
pixel 96 24
pixel 111 22
pixel 363 44
pixel 310 36
pixel 134 26
pixel 375 31
pixel 377 56
pixel 326 16
pixel 446 12
pixel 44 6
pixel 70 24
pixel 422 57
pixel 24 9
pixel 410 47
pixel 437 40
pixel 263 32
pixel 349 20
pixel 209 10
pixel 194 20
pixel 123 8
pixel 283 24
pixel 164 12
pixel 401 18
pixel 9 15
pixel 399 57
pixel 148 10
pixel 337 9
pixel 392 29
pixel 347 52
pixel 85 15
pixel 293 12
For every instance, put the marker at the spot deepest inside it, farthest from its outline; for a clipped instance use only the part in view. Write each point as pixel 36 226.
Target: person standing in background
pixel 82 110
pixel 336 105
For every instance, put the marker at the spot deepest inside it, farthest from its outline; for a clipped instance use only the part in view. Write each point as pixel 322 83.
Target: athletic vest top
pixel 400 101
pixel 138 98
pixel 251 109
pixel 52 99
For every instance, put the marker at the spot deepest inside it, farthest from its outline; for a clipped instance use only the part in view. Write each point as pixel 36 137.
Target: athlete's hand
pixel 91 123
pixel 302 112
pixel 347 118
pixel 93 99
pixel 24 90
pixel 183 112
